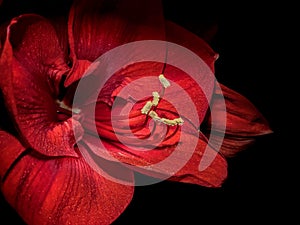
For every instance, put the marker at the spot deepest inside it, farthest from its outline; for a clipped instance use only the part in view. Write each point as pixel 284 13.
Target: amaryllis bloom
pixel 53 169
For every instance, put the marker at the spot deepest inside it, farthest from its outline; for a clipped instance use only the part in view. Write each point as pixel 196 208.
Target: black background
pixel 251 40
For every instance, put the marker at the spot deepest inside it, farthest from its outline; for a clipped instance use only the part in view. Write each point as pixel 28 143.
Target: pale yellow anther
pixel 179 121
pixel 155 98
pixel 146 107
pixel 154 115
pixel 165 83
pixel 168 122
pixel 174 122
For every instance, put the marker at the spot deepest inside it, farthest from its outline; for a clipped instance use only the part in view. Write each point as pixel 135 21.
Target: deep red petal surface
pixel 32 64
pixel 10 150
pixel 96 27
pixel 244 122
pixel 62 190
pixel 177 163
pixel 181 36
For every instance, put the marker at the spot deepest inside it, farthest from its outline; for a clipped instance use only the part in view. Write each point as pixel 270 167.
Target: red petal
pixel 188 96
pixel 37 48
pixel 243 121
pixel 176 163
pixel 2 35
pixel 183 37
pixel 63 191
pixel 32 64
pixel 198 164
pixel 206 167
pixel 60 24
pixel 10 150
pixel 96 27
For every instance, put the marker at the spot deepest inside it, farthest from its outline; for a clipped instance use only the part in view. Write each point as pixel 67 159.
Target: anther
pixel 177 121
pixel 146 107
pixel 154 116
pixel 165 83
pixel 155 98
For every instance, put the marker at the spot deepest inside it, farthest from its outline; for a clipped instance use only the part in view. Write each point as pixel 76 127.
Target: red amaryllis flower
pixel 53 169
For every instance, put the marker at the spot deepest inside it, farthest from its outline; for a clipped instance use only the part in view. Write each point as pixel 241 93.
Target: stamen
pixel 177 121
pixel 165 83
pixel 64 106
pixel 154 116
pixel 146 107
pixel 155 98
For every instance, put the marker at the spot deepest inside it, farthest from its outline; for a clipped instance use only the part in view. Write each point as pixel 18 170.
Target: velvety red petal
pixel 177 163
pixel 181 36
pixel 36 47
pixel 64 191
pixel 96 27
pixel 181 163
pixel 32 64
pixel 214 174
pixel 10 150
pixel 244 122
pixel 3 27
pixel 60 24
pixel 188 95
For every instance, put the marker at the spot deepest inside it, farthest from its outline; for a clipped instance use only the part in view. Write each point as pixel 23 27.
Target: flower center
pixel 150 106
